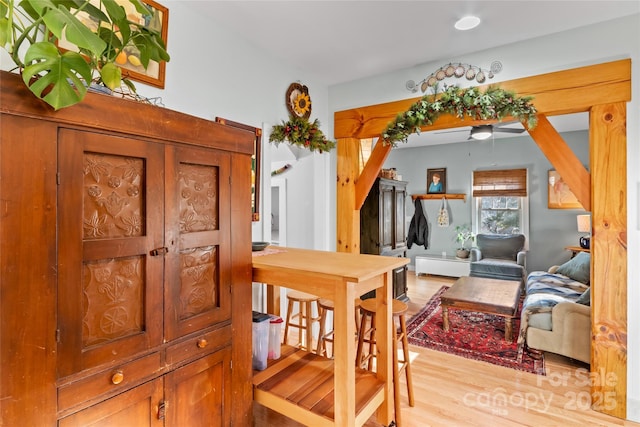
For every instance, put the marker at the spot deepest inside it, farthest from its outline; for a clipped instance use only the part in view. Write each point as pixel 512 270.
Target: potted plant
pixel 463 235
pixel 31 29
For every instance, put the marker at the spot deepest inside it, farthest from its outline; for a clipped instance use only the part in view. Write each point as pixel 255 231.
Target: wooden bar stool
pixel 368 336
pixel 326 334
pixel 304 317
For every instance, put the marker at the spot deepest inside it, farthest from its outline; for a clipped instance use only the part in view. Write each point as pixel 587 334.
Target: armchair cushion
pixel 500 246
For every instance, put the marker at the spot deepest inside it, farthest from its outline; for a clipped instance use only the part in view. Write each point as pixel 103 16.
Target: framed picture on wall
pixel 147 15
pixel 560 195
pixel 437 181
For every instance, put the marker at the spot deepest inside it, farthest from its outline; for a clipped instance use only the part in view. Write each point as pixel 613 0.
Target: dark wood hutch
pixel 125 265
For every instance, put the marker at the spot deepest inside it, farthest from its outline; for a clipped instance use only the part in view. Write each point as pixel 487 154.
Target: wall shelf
pixel 448 196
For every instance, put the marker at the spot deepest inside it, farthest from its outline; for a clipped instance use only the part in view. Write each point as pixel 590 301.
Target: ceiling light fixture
pixel 481 132
pixel 467 23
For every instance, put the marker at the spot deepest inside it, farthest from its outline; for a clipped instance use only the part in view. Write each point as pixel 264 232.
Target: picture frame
pixel 154 74
pixel 437 181
pixel 256 163
pixel 559 196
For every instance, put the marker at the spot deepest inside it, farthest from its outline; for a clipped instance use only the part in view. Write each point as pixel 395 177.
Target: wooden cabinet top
pixel 110 113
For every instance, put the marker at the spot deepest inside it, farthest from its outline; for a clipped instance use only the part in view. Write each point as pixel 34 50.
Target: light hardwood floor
pixel 454 391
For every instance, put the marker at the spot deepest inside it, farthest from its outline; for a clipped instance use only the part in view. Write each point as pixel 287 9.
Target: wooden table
pixel 575 250
pixel 314 390
pixel 499 297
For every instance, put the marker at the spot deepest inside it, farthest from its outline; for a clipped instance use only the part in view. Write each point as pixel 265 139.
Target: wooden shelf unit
pixel 350 396
pixel 302 384
pixel 448 196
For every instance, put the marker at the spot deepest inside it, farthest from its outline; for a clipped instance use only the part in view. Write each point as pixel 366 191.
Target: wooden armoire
pixel 125 265
pixel 383 228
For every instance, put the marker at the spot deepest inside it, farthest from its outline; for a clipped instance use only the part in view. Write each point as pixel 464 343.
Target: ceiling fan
pixel 481 132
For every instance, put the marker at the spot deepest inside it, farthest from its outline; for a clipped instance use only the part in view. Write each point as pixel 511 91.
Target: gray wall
pixel 550 230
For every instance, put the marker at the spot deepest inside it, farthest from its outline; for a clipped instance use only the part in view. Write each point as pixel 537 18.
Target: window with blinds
pixel 509 182
pixel 501 202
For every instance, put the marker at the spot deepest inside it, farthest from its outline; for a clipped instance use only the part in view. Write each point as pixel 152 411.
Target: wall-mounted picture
pixel 559 194
pixel 436 181
pixel 149 16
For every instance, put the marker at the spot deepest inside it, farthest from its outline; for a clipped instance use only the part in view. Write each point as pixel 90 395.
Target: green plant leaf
pixel 116 12
pixel 141 8
pixel 59 79
pixel 60 21
pixel 5 31
pixel 111 75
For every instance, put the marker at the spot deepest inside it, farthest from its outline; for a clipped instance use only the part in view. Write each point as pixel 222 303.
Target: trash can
pixel 275 327
pixel 260 337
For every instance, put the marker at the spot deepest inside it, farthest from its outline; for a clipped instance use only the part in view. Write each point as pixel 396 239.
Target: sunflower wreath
pixel 300 131
pixel 494 103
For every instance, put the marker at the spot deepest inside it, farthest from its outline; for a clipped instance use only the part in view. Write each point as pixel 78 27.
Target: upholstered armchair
pixel 499 256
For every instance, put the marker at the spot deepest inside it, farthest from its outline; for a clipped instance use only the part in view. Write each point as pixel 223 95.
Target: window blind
pixel 506 182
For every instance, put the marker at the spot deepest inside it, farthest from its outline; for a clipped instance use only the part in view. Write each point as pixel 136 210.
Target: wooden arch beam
pixel 603 89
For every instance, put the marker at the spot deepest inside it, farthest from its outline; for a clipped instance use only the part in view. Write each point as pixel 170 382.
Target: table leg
pixel 445 318
pixel 508 329
pixel 273 299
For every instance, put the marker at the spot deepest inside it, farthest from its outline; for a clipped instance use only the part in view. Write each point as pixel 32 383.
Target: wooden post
pixel 347 216
pixel 609 258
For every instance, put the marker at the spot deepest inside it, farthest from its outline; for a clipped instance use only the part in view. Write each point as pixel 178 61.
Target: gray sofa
pixel 556 312
pixel 498 256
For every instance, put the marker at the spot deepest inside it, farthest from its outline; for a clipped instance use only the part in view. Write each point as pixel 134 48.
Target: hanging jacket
pixel 419 228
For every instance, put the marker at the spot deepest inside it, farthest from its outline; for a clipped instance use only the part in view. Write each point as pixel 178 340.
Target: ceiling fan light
pixel 467 23
pixel 481 132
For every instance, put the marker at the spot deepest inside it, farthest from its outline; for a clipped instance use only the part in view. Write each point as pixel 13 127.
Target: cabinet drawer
pixel 113 380
pixel 198 345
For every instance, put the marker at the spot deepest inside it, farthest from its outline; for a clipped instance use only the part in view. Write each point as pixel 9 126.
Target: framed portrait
pixel 255 164
pixel 559 194
pixel 157 19
pixel 437 181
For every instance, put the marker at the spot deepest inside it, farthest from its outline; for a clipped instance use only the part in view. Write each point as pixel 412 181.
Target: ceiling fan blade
pixel 452 131
pixel 507 130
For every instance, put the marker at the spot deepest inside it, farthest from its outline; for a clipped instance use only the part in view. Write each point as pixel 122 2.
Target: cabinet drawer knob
pixel 202 343
pixel 117 377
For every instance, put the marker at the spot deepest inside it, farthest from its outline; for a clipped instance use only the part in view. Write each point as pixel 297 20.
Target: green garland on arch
pixel 300 131
pixel 493 103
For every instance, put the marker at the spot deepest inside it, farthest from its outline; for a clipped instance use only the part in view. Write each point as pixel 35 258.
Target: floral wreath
pixel 300 131
pixel 494 103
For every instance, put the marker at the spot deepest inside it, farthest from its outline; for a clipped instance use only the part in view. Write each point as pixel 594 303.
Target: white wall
pixel 594 44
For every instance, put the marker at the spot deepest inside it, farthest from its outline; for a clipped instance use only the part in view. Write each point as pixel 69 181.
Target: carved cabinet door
pixel 198 271
pixel 110 246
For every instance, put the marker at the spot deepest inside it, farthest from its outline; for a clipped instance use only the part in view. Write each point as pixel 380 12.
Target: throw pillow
pixel 577 268
pixel 585 298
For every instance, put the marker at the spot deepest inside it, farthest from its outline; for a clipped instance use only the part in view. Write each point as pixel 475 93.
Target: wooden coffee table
pixel 499 297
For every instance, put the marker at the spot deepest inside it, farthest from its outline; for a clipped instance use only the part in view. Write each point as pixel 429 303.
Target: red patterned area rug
pixel 473 335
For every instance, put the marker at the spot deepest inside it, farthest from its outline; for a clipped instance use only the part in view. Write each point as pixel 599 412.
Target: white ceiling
pixel 341 41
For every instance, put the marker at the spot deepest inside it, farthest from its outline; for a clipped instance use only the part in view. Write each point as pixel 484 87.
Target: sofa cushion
pixel 544 291
pixel 577 268
pixel 498 268
pixel 585 298
pixel 499 245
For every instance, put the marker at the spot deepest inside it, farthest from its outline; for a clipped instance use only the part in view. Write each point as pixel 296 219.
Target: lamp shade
pixel 584 223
